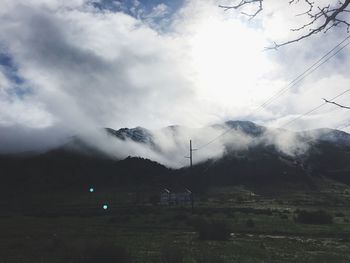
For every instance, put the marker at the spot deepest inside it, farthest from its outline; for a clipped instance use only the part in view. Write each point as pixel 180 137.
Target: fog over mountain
pixel 170 145
pixel 68 67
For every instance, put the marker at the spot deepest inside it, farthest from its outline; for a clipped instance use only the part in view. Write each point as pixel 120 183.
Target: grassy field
pixel 262 228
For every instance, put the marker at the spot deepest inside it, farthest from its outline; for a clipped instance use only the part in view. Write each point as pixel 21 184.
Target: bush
pixel 210 258
pixel 212 229
pixel 340 214
pixel 119 219
pixel 180 217
pixel 314 217
pixel 154 199
pixel 172 254
pixel 283 216
pixel 240 199
pixel 104 252
pixel 250 223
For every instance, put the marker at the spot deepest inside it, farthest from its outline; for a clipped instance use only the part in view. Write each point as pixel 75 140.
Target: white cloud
pixel 89 68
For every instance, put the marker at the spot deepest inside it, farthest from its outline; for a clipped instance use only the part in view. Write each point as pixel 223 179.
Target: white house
pixel 179 197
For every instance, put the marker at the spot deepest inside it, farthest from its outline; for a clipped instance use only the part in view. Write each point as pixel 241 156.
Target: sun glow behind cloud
pixel 89 68
pixel 228 60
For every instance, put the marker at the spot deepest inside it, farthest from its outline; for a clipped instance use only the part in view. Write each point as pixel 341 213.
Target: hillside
pixel 260 163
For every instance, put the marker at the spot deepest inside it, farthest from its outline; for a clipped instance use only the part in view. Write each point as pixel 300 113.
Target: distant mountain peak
pixel 247 127
pixel 138 134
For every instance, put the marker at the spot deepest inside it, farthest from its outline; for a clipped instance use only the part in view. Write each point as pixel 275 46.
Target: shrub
pixel 340 214
pixel 250 223
pixel 172 254
pixel 180 217
pixel 345 239
pixel 105 252
pixel 119 219
pixel 240 199
pixel 209 258
pixel 283 216
pixel 154 199
pixel 230 214
pixel 314 217
pixel 212 229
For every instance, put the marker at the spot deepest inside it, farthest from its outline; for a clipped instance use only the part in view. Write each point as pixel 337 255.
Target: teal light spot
pixel 91 190
pixel 105 207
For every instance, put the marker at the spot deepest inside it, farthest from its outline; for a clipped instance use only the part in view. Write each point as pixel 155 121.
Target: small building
pixel 176 197
pixel 165 197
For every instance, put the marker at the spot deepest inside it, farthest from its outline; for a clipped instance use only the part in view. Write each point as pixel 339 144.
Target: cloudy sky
pixel 78 65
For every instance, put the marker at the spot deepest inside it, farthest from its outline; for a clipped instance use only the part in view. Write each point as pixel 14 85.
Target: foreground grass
pixel 263 230
pixel 63 239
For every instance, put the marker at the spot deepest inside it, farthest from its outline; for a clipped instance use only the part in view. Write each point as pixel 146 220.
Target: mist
pixel 170 145
pixel 68 68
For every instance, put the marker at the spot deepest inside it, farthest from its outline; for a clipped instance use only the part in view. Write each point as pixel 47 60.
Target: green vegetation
pixel 212 229
pixel 73 227
pixel 250 223
pixel 105 252
pixel 314 217
pixel 172 254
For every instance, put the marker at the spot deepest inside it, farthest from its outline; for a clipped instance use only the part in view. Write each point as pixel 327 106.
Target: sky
pixel 75 66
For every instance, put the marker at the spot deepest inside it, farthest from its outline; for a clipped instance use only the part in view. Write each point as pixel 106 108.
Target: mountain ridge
pixel 143 135
pixel 262 164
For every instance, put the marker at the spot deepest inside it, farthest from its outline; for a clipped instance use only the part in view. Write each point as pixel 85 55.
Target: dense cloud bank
pixel 72 67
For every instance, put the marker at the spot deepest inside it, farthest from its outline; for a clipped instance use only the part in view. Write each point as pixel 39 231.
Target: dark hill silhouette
pixel 259 165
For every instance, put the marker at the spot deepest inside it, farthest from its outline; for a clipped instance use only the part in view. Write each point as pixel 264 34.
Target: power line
pixel 344 126
pixel 304 74
pixel 288 123
pixel 213 140
pixel 293 83
pixel 314 109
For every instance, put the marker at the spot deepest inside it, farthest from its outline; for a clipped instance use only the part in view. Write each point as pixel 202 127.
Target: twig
pixel 332 102
pixel 321 18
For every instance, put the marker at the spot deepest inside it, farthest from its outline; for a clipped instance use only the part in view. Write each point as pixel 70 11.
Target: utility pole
pixel 191 154
pixel 191 171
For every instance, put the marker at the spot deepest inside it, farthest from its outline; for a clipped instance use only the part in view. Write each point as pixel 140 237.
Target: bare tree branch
pixel 243 3
pixel 332 102
pixel 321 18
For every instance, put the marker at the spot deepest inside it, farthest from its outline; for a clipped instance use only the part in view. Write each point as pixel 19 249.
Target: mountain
pixel 337 137
pixel 247 127
pixel 145 136
pixel 265 157
pixel 138 134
